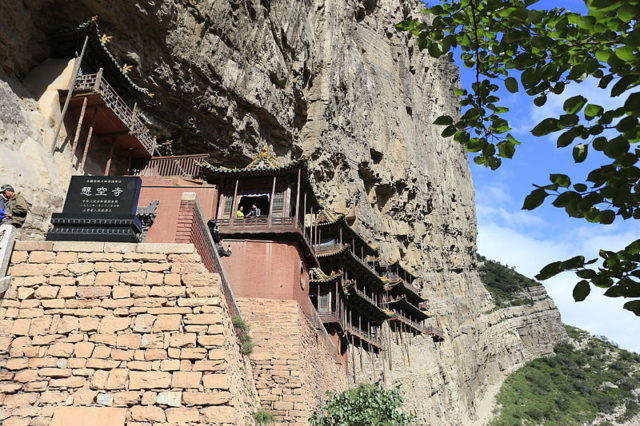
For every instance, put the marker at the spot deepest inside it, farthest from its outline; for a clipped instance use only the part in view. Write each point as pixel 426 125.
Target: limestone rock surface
pixel 331 79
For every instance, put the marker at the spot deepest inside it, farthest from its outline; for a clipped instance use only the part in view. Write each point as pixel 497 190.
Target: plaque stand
pixel 99 208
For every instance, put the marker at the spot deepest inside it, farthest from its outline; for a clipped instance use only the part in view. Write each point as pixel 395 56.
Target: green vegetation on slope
pixel 584 379
pixel 507 286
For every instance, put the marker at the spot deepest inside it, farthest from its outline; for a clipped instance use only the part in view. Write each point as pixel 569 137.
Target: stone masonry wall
pixel 293 366
pixel 137 326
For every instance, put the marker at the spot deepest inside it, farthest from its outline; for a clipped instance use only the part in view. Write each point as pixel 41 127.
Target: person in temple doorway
pixel 255 211
pixel 16 207
pixel 240 213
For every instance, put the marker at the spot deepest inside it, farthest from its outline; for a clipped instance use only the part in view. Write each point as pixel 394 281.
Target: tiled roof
pixel 70 40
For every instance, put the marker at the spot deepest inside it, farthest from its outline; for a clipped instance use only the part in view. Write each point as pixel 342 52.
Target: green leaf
pixel 549 271
pixel 511 84
pixel 580 152
pixel 627 12
pixel 574 104
pixel 573 263
pixel 449 131
pixel 633 306
pixel 592 111
pixel 546 126
pixel 562 180
pixel 633 102
pixel 633 248
pixel 506 149
pixel 616 147
pixel 580 187
pixel 584 22
pixel 535 199
pixel 607 217
pixel 443 120
pixel 603 55
pixel 581 291
pixel 625 53
pixel 540 100
pixel 566 138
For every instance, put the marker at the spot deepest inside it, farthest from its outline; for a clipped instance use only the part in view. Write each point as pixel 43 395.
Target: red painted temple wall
pixel 168 190
pixel 269 270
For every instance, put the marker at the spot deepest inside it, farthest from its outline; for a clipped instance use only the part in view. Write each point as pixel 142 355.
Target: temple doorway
pixel 261 201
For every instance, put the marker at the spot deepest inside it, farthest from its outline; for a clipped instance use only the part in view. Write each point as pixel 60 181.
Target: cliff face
pixel 325 78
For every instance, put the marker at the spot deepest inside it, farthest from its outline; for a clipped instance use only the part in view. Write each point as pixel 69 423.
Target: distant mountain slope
pixel 588 381
pixel 507 287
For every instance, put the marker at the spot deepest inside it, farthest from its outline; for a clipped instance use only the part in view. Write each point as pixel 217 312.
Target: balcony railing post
pixel 96 85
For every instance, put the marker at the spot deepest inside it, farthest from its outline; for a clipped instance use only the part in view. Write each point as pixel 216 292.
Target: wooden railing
pixel 175 165
pixel 363 295
pixel 435 332
pixel 257 221
pixel 98 84
pixel 363 335
pixel 416 325
pixel 393 277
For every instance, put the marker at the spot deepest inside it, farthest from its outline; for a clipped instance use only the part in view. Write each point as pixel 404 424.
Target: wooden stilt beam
pixel 88 141
pixel 233 203
pixel 74 76
pixel 298 197
pixel 107 168
pixel 76 137
pixel 273 192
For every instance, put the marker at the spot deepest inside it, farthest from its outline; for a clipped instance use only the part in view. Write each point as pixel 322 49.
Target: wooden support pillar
pixel 96 85
pixel 76 137
pixel 304 215
pixel 88 141
pixel 129 160
pixel 273 192
pixel 107 168
pixel 233 203
pixel 74 76
pixel 341 235
pixel 298 197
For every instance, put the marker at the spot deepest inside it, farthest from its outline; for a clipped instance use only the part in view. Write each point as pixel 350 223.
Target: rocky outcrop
pixel 325 78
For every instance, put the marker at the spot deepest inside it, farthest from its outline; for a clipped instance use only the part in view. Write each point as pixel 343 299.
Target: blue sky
pixel 530 240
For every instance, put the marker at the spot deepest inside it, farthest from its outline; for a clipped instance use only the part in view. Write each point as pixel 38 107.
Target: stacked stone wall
pixel 293 365
pixel 135 327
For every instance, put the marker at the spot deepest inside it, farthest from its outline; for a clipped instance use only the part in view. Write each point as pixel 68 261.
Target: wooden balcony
pixel 112 117
pixel 188 166
pixel 417 327
pixel 363 336
pixel 271 227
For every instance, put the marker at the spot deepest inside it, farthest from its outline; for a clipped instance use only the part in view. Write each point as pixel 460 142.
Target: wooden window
pixel 228 201
pixel 324 302
pixel 278 204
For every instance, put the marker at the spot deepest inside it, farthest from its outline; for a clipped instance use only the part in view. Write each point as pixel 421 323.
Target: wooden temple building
pixel 284 245
pixel 272 252
pixel 354 294
pixel 106 129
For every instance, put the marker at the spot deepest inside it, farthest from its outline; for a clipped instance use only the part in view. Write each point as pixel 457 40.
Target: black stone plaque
pixel 99 208
pixel 102 195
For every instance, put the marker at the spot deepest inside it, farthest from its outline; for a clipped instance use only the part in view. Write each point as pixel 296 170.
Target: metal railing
pixel 175 165
pixel 97 83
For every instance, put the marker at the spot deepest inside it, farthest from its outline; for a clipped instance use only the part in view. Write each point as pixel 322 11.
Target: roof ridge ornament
pixel 264 160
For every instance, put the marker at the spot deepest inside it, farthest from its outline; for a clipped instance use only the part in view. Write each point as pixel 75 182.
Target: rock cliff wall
pixel 325 78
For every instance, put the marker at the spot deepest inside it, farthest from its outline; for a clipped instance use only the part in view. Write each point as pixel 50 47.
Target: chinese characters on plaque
pixel 99 208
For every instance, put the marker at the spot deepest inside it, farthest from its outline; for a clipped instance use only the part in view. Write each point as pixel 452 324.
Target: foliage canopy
pixel 541 52
pixel 365 405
